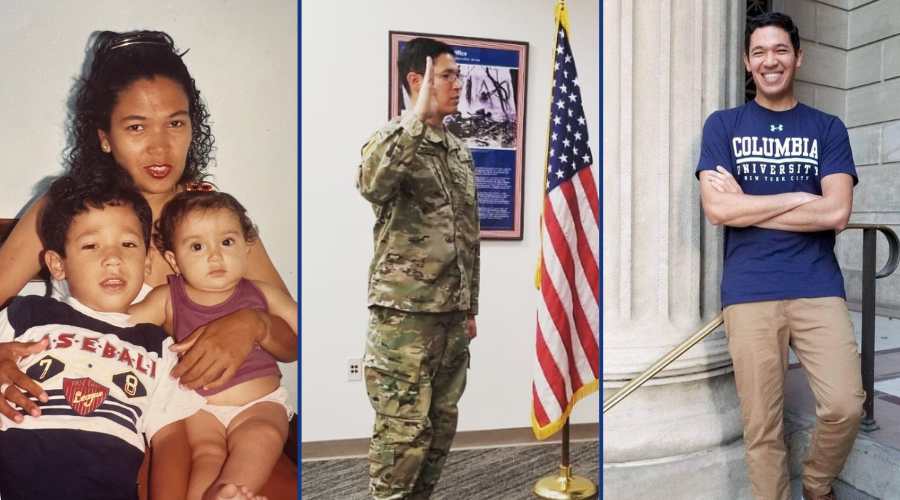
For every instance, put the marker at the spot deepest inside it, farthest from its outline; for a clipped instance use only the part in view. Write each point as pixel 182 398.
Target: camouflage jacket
pixel 427 247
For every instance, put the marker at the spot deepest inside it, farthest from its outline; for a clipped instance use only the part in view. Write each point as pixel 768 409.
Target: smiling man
pixel 779 176
pixel 423 279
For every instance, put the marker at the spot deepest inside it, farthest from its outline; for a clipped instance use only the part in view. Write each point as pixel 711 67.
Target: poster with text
pixel 490 119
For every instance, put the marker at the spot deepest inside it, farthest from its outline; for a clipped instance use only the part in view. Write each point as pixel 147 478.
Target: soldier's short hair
pixel 412 58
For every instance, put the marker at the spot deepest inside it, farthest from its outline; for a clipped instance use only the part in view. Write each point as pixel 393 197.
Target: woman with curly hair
pixel 139 111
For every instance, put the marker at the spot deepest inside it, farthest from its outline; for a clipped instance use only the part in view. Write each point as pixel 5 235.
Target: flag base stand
pixel 565 486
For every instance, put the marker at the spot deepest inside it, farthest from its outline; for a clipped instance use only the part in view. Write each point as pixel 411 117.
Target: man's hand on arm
pixel 831 211
pixel 724 203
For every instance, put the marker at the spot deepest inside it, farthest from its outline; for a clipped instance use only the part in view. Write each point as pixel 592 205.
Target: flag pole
pixel 564 485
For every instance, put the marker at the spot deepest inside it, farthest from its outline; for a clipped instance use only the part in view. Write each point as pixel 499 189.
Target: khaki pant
pixel 415 367
pixel 821 334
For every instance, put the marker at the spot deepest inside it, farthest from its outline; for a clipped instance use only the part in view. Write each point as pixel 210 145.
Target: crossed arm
pixel 724 202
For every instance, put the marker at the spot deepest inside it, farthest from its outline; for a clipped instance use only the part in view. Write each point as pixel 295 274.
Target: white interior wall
pixel 243 56
pixel 344 100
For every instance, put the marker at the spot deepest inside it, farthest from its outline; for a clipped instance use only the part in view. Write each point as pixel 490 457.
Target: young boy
pixel 107 380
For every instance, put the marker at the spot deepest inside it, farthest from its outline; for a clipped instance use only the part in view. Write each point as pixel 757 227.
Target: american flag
pixel 568 316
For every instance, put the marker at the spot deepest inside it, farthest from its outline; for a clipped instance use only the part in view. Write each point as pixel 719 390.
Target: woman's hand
pixel 13 381
pixel 213 353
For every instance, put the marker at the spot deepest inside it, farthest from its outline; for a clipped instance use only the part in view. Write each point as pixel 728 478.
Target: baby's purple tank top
pixel 188 316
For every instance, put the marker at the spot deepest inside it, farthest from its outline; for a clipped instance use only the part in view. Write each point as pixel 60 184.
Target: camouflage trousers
pixel 415 367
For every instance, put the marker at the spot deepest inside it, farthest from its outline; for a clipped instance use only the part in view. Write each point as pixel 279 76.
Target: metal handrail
pixel 868 324
pixel 867 350
pixel 893 247
pixel 662 362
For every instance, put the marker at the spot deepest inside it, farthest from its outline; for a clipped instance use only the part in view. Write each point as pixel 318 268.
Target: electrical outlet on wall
pixel 354 369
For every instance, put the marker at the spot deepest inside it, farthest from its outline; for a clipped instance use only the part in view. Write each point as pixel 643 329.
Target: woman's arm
pixel 20 255
pixel 213 353
pixel 280 304
pixel 260 267
pixel 170 462
pixel 20 259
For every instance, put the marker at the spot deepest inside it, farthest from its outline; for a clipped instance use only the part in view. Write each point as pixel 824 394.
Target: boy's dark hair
pixel 70 196
pixel 188 201
pixel 120 59
pixel 778 19
pixel 412 58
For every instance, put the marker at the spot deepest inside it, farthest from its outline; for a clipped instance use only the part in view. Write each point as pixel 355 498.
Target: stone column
pixel 667 64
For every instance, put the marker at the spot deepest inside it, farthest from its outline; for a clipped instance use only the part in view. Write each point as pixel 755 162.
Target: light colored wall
pixel 243 57
pixel 852 69
pixel 344 96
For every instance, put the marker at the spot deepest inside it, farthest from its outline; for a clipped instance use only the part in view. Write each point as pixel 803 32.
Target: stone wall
pixel 851 68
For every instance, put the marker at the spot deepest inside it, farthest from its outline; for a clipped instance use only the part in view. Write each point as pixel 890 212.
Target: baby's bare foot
pixel 227 492
pixel 250 496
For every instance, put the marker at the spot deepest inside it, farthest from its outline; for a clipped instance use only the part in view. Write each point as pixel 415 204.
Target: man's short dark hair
pixel 71 195
pixel 412 58
pixel 778 19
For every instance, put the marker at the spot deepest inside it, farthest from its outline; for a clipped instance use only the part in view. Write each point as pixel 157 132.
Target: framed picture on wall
pixel 490 119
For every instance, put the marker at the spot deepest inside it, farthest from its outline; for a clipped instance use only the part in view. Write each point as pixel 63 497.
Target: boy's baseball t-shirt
pixel 772 152
pixel 108 383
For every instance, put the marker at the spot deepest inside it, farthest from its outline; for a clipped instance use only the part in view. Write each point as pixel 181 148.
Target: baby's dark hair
pixel 120 59
pixel 71 195
pixel 189 201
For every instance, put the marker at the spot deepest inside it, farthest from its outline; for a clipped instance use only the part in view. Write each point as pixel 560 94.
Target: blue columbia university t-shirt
pixel 773 152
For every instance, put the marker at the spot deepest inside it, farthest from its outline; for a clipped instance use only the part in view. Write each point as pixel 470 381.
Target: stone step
pixel 841 491
pixel 871 471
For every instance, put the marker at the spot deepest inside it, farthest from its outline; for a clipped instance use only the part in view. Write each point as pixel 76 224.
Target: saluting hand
pixel 427 106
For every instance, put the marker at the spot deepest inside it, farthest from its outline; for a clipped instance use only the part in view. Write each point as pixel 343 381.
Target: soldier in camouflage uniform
pixel 423 280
